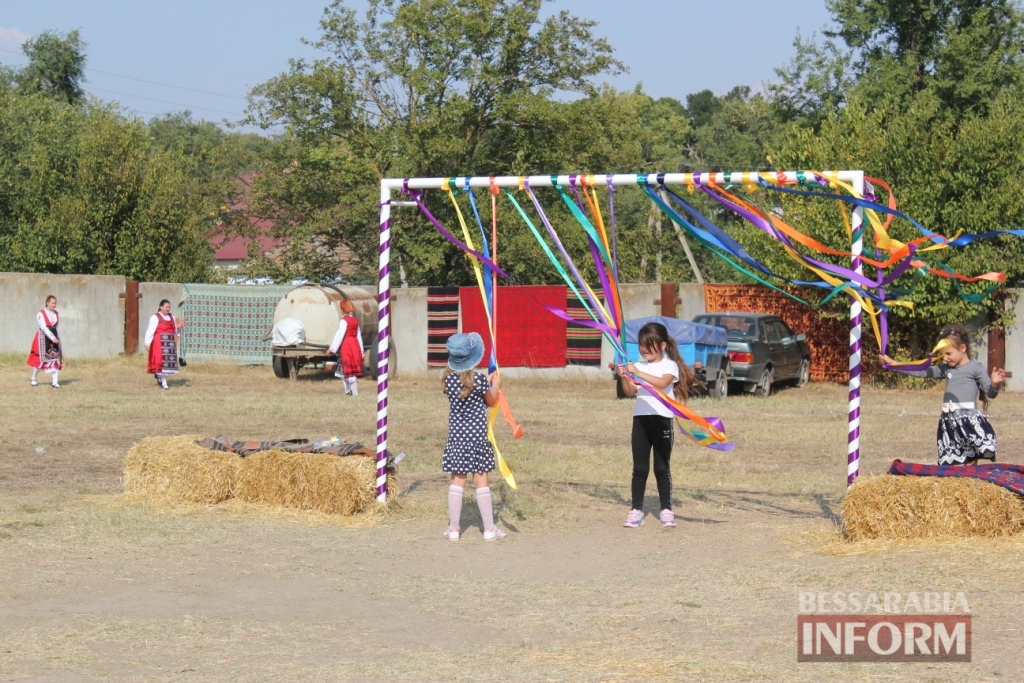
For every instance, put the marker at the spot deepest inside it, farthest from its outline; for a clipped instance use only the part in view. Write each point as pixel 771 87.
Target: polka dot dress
pixel 467 449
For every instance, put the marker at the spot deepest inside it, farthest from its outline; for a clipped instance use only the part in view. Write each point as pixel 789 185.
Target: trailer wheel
pixel 720 389
pixel 370 361
pixel 280 368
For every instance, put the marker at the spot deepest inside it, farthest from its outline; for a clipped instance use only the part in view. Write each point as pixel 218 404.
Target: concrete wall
pixel 409 329
pixel 91 312
pixel 1015 344
pixel 92 319
pixel 693 304
pixel 151 294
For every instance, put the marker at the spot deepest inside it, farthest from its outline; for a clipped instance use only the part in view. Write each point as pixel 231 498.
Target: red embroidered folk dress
pixel 350 353
pixel 45 353
pixel 163 350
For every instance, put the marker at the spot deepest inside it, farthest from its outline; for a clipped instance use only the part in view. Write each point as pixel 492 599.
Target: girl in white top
pixel 663 368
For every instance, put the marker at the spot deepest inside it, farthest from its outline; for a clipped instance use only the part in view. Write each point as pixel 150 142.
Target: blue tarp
pixel 683 331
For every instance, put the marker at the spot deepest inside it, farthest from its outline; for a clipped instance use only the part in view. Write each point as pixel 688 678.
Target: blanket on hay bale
pixel 948 505
pixel 171 470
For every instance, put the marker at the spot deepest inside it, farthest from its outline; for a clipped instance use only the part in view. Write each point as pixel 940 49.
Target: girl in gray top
pixel 964 434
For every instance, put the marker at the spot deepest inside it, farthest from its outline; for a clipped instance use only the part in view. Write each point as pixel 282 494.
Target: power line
pixel 176 104
pixel 142 80
pixel 166 85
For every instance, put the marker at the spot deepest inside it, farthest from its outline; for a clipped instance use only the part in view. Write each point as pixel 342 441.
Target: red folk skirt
pixel 163 351
pixel 350 355
pixel 45 354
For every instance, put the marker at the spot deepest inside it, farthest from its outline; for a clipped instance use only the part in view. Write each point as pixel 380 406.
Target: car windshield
pixel 737 327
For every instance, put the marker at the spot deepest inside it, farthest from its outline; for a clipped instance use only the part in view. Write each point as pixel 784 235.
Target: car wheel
pixel 280 369
pixel 764 385
pixel 804 375
pixel 720 389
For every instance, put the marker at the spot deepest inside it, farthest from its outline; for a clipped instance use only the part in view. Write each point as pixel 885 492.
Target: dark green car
pixel 763 350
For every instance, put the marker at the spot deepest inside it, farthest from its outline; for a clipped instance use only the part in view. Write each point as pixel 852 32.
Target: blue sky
pixel 225 47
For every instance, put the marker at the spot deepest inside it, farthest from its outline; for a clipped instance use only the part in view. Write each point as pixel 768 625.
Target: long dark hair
pixel 958 335
pixel 650 337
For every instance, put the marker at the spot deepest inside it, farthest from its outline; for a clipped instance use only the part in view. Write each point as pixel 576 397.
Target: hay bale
pixel 172 470
pixel 309 481
pixel 909 507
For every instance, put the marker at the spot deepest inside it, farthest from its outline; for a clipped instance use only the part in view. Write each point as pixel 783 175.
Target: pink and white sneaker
pixel 634 519
pixel 668 518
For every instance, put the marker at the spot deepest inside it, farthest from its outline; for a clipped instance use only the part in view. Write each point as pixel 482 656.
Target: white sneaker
pixel 494 534
pixel 451 534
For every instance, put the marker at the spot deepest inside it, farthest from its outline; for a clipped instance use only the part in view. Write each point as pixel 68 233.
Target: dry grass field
pixel 93 588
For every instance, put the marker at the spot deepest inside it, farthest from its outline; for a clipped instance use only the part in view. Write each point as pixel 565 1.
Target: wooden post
pixel 131 317
pixel 996 348
pixel 668 300
pixel 997 338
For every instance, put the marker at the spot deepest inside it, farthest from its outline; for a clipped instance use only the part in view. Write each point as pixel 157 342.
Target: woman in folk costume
pixel 348 344
pixel 162 344
pixel 46 354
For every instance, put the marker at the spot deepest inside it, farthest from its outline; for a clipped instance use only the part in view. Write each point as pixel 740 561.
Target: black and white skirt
pixel 964 435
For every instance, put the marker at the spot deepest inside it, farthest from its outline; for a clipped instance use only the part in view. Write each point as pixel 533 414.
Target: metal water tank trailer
pixel 318 308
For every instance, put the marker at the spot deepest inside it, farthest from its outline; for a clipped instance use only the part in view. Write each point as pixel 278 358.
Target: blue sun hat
pixel 465 351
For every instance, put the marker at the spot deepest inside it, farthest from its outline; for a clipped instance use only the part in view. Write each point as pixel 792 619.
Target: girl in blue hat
pixel 467 449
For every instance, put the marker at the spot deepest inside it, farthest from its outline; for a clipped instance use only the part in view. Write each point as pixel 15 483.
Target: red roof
pixel 234 247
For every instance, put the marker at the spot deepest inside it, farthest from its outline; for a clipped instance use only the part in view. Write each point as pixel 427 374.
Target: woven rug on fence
pixel 442 322
pixel 828 336
pixel 529 335
pixel 582 343
pixel 228 322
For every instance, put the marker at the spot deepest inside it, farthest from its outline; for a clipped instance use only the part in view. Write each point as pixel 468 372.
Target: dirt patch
pixel 93 588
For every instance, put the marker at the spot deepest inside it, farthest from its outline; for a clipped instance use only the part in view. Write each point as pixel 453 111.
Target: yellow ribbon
pixel 506 472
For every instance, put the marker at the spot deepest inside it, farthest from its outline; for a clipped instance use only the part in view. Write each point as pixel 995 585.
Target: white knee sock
pixel 353 385
pixel 54 379
pixel 454 506
pixel 483 501
pixel 35 374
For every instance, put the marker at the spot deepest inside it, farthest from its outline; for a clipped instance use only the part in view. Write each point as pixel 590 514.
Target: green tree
pixel 83 190
pixel 56 66
pixel 814 84
pixel 217 155
pixel 925 94
pixel 419 88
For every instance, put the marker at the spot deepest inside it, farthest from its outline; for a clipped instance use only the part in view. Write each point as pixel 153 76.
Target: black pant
pixel 652 431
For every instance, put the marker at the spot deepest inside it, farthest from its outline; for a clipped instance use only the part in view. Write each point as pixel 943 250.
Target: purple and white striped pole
pixel 853 419
pixel 383 334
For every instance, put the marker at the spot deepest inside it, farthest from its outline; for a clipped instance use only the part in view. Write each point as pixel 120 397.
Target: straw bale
pixel 309 481
pixel 907 507
pixel 170 470
pixel 174 469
